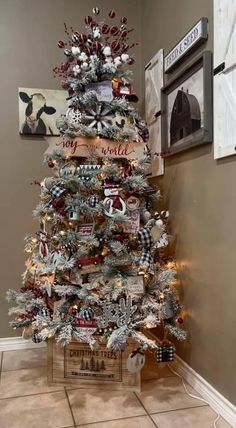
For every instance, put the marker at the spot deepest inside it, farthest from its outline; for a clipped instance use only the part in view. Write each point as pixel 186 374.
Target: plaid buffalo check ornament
pixel 165 352
pixel 93 200
pixel 36 337
pixel 57 191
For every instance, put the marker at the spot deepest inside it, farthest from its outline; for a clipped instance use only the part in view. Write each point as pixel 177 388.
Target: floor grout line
pixel 31 395
pixel 111 420
pixel 71 411
pixel 181 408
pixel 140 402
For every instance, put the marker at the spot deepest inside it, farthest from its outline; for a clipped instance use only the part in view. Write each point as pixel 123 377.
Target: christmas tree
pixel 96 269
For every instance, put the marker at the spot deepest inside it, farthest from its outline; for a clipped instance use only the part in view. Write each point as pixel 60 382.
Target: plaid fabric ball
pixel 57 191
pixel 86 314
pixel 145 238
pixel 93 200
pixel 165 353
pixel 44 312
pixel 36 338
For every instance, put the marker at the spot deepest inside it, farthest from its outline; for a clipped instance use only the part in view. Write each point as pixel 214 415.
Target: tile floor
pixel 26 401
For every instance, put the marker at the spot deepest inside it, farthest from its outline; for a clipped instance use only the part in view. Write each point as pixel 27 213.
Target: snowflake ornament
pixel 100 117
pixel 73 116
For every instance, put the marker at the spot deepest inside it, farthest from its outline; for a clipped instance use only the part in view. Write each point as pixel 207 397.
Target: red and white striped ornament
pixel 112 14
pixel 105 29
pixel 114 30
pixel 61 44
pixel 88 19
pixel 124 20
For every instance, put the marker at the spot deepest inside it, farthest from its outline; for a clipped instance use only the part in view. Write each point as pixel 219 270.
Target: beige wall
pixel 200 194
pixel 30 30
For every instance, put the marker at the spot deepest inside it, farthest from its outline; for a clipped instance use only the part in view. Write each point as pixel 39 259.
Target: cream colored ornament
pixel 47 183
pixel 157 230
pixel 132 203
pixel 146 215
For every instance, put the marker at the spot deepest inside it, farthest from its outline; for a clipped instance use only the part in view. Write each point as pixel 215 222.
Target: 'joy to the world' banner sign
pixel 85 147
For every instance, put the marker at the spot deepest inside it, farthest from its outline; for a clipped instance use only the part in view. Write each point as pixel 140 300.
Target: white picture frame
pixel 153 85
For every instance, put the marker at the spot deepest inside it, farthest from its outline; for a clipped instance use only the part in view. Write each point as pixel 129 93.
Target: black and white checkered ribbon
pixel 145 238
pixel 146 257
pixel 57 191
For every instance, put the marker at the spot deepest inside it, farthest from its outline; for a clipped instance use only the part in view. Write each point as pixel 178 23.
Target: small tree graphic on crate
pixel 82 365
pixel 103 367
pixel 92 364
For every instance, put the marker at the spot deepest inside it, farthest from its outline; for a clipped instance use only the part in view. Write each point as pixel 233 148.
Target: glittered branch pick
pixel 120 313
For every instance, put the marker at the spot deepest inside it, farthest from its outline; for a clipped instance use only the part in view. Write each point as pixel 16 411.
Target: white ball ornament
pixel 107 51
pixel 146 215
pixel 75 50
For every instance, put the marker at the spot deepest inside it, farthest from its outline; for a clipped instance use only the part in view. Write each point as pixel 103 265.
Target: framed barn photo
pixel 39 110
pixel 187 107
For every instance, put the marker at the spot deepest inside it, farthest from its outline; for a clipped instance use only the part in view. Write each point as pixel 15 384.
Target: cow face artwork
pixel 39 109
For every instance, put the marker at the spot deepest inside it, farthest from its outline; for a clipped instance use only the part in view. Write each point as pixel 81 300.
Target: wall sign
pixel 196 36
pixel 224 78
pixel 153 85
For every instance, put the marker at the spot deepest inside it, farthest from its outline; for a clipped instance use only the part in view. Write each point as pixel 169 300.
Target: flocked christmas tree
pixel 96 270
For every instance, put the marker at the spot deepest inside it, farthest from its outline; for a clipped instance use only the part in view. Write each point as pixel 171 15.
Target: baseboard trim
pixel 14 343
pixel 217 401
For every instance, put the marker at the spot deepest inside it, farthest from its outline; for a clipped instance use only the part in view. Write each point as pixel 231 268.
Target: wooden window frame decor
pixel 196 112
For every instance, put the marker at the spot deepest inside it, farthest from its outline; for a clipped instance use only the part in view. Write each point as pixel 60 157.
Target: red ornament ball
pixel 124 20
pixel 51 164
pixel 83 38
pixel 96 46
pixel 61 44
pixel 180 320
pixel 112 14
pixel 65 85
pixel 115 45
pixel 123 34
pixel 88 19
pixel 131 61
pixel 105 29
pixel 93 24
pixel 114 30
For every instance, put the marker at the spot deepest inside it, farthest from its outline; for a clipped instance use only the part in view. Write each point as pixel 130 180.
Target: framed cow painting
pixel 39 110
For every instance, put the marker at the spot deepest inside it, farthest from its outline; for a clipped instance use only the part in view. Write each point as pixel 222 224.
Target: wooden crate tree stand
pixel 77 364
